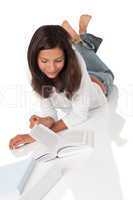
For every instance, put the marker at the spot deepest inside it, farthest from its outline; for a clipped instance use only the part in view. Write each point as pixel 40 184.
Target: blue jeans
pixel 94 64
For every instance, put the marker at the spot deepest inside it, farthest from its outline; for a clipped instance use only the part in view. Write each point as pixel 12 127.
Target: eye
pixel 58 61
pixel 61 60
pixel 44 61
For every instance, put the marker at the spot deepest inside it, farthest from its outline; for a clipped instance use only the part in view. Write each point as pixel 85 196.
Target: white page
pixel 73 151
pixel 71 140
pixel 76 137
pixel 45 136
pixel 36 150
pixel 75 141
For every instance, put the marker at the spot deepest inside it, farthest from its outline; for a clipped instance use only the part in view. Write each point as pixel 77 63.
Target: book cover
pixel 14 176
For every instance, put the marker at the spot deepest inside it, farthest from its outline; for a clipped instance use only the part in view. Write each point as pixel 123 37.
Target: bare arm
pixel 48 121
pixel 58 126
pixel 26 138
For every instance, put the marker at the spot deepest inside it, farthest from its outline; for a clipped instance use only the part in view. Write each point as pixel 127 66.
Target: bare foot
pixel 83 23
pixel 74 35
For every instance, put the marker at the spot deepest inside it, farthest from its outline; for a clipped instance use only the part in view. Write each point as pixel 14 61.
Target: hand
pixel 19 140
pixel 34 120
pixel 47 121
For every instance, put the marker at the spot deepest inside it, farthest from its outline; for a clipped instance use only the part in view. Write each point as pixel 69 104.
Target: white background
pixel 111 20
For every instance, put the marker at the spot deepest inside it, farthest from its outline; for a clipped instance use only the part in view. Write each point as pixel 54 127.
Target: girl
pixel 67 74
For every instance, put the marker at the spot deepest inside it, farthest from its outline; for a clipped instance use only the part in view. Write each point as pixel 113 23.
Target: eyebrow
pixel 54 59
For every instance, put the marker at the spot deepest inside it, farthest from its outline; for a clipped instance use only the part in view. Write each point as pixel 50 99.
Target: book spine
pixel 26 176
pixel 42 187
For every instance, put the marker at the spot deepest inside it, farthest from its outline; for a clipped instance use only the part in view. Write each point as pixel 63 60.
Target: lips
pixel 52 74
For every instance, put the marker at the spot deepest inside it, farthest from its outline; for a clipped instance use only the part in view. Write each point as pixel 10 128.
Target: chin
pixel 52 76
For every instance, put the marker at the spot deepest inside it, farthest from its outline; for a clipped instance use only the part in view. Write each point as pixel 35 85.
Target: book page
pixel 76 137
pixel 36 150
pixel 67 141
pixel 75 140
pixel 45 136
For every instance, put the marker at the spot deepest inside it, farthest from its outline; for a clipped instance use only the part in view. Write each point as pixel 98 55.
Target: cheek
pixel 60 65
pixel 41 66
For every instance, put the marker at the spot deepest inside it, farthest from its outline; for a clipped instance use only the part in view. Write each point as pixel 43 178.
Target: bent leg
pixel 95 66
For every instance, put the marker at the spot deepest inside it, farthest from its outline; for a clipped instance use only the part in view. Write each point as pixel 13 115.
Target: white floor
pixel 107 173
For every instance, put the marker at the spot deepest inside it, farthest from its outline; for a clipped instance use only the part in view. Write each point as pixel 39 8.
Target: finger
pixel 14 140
pixel 32 121
pixel 33 117
pixel 18 144
pixel 31 125
pixel 10 143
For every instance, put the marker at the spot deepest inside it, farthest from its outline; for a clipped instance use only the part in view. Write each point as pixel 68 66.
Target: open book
pixel 50 145
pixel 65 143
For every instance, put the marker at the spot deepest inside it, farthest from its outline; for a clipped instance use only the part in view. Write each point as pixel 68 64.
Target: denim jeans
pixel 94 64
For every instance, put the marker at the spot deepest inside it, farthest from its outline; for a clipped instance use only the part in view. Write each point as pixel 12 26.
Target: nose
pixel 52 67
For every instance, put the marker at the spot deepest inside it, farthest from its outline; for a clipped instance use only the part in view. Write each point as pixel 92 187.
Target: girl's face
pixel 51 62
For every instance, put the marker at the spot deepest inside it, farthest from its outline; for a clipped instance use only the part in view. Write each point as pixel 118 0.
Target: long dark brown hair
pixel 68 80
